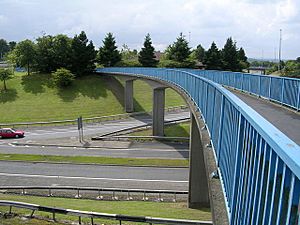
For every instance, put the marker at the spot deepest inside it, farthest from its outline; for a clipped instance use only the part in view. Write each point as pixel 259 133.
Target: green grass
pixel 35 98
pixel 96 160
pixel 132 208
pixel 174 130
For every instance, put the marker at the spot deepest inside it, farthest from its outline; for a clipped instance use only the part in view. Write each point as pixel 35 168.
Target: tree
pixel 5 74
pixel 146 55
pixel 243 60
pixel 63 77
pixel 108 53
pixel 292 68
pixel 212 58
pixel 230 56
pixel 199 53
pixel 62 51
pixel 4 48
pixel 12 45
pixel 179 50
pixel 83 55
pixel 26 54
pixel 45 54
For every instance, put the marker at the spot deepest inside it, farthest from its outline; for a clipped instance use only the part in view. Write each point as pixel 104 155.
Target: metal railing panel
pixel 255 160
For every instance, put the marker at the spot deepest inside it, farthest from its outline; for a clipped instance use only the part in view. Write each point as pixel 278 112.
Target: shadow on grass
pixel 88 86
pixel 116 87
pixel 36 82
pixel 9 95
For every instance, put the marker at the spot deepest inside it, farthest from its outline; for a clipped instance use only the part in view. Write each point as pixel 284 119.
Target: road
pixel 34 134
pixel 21 173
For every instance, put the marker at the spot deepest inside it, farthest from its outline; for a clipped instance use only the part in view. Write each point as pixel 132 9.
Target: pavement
pixel 285 119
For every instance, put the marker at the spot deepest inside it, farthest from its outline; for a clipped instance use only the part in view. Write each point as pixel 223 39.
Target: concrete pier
pixel 198 186
pixel 158 111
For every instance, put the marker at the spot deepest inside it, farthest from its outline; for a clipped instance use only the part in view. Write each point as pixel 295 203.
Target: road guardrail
pixel 96 215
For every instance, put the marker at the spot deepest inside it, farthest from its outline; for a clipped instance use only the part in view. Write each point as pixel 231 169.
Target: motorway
pixel 40 133
pixel 53 174
pixel 48 174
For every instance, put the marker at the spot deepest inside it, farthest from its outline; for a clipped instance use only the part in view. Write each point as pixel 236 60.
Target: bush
pixel 63 77
pixel 174 64
pixel 129 63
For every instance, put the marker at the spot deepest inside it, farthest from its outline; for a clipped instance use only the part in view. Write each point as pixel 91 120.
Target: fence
pixel 282 90
pixel 95 215
pixel 143 194
pixel 259 166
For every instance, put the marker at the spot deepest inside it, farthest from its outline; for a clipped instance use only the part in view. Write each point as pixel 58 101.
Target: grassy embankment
pixel 133 208
pixel 35 98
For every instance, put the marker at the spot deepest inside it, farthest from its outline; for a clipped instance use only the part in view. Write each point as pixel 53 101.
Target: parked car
pixel 11 133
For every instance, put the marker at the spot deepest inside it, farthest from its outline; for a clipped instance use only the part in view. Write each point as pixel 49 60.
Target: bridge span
pixel 258 166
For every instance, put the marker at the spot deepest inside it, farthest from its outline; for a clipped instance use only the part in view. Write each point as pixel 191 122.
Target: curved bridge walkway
pixel 285 119
pixel 255 143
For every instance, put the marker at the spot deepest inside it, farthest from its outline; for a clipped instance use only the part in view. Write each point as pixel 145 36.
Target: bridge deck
pixel 286 120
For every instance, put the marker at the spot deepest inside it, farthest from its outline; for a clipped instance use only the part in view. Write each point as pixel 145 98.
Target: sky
pixel 254 24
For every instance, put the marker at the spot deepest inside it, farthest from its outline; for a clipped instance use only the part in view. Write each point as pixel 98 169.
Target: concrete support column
pixel 158 111
pixel 198 183
pixel 129 96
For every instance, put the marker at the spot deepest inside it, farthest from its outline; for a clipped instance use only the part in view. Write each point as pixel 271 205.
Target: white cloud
pixel 254 24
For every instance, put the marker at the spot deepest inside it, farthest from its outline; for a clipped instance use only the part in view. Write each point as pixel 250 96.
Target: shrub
pixel 63 77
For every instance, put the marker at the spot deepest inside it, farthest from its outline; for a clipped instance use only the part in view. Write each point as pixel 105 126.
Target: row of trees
pixel 78 54
pixel 178 54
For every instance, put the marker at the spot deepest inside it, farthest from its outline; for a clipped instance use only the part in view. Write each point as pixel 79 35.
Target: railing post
pixel 220 130
pixel 282 91
pixel 298 98
pixel 270 84
pixel 259 86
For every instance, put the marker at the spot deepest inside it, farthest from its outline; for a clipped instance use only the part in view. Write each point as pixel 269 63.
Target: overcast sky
pixel 254 24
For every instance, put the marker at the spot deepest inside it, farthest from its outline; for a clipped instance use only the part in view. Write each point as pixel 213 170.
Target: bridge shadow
pixel 118 90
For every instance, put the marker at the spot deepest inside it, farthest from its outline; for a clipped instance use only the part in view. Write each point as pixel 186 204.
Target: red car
pixel 11 133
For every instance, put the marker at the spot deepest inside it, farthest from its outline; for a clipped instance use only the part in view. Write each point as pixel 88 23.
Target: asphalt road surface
pixel 30 174
pixel 40 133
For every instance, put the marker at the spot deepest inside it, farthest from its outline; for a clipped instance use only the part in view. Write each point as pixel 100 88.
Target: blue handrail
pixel 259 166
pixel 283 90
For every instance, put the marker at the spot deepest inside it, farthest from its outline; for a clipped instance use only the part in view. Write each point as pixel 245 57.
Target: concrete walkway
pixel 283 118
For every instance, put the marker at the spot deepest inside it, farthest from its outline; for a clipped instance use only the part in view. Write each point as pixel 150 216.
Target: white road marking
pixel 88 178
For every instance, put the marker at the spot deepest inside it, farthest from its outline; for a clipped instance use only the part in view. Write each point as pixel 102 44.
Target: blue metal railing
pixel 259 166
pixel 283 90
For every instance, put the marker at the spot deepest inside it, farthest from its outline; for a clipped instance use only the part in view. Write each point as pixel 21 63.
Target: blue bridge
pixel 250 145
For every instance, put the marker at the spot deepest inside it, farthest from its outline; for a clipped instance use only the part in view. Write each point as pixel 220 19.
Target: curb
pixel 55 145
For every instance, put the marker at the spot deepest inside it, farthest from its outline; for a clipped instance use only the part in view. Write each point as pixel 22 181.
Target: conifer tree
pixel 83 55
pixel 212 58
pixel 146 55
pixel 108 53
pixel 179 51
pixel 230 56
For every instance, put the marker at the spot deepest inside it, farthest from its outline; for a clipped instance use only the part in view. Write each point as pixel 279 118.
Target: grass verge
pixel 95 160
pixel 132 208
pixel 174 130
pixel 35 98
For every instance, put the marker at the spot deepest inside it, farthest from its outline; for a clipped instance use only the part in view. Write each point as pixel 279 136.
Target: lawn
pixel 133 208
pixel 174 130
pixel 35 98
pixel 96 160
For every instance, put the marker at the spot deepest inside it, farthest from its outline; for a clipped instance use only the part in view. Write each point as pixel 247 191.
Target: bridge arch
pixel 259 166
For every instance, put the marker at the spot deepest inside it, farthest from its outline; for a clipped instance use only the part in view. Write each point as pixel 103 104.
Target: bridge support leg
pixel 129 96
pixel 198 186
pixel 158 111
